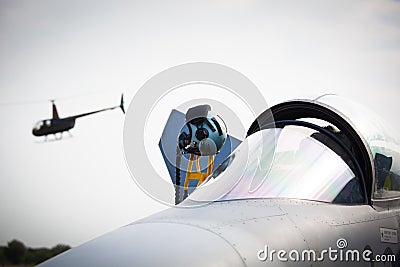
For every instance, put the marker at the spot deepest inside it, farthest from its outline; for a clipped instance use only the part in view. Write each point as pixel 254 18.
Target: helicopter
pixel 59 125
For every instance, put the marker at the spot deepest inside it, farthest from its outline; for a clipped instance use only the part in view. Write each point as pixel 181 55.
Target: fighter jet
pixel 315 183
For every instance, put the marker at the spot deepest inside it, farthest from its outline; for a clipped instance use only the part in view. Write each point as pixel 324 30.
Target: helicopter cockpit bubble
pixel 38 125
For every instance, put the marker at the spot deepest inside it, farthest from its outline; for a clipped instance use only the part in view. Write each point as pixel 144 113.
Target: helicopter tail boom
pixel 121 106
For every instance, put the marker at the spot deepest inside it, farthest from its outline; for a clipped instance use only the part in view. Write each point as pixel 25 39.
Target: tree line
pixel 17 253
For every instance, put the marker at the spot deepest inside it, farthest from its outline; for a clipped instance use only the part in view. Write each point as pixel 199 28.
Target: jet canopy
pixel 382 144
pixel 310 150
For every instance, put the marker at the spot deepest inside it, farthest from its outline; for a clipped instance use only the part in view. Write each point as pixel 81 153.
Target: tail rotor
pixel 121 105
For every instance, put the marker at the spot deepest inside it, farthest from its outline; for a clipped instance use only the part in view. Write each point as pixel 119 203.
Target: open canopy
pixel 329 150
pixel 298 166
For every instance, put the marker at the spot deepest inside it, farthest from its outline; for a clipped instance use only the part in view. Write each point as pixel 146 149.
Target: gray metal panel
pixel 151 245
pixel 231 233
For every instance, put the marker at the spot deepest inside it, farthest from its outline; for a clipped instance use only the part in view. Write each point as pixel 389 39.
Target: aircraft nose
pixel 152 244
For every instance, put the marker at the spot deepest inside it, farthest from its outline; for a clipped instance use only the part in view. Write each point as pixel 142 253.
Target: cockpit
pixel 297 165
pixel 38 125
pixel 328 150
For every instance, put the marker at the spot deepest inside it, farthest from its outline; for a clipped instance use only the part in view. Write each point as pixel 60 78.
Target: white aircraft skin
pixel 250 232
pixel 231 233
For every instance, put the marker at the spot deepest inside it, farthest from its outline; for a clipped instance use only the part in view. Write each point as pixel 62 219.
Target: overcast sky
pixel 85 53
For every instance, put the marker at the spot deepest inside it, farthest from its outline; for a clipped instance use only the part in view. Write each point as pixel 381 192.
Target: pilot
pixel 386 180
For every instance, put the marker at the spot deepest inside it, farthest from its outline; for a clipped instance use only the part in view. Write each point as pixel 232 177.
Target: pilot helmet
pixel 204 133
